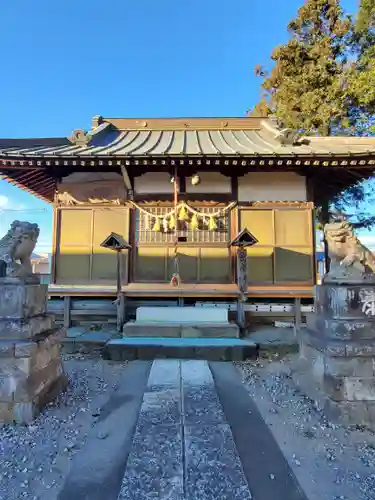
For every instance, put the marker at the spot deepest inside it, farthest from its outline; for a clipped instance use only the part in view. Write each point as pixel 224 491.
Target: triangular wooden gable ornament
pixel 115 242
pixel 244 239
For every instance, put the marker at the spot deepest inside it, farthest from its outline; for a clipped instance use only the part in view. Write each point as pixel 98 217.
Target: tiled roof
pixel 35 165
pixel 188 137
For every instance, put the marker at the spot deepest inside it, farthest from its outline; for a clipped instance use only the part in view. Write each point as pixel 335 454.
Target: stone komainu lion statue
pixel 16 248
pixel 349 258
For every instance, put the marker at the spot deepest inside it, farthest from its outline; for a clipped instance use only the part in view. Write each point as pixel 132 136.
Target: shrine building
pixel 178 191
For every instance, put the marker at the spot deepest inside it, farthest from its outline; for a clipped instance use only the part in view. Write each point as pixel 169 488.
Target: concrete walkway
pixel 181 430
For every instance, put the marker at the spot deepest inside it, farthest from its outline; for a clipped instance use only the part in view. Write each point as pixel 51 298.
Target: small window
pixel 145 233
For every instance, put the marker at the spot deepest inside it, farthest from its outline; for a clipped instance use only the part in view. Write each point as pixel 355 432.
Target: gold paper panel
pixel 73 265
pixel 260 265
pixel 259 223
pixel 293 227
pixel 215 265
pixel 151 264
pixel 75 227
pixel 109 220
pixel 293 264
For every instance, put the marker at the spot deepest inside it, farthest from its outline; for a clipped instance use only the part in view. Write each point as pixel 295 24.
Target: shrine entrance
pixel 202 233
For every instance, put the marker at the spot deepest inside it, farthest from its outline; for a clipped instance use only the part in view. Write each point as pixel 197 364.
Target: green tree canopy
pixel 322 81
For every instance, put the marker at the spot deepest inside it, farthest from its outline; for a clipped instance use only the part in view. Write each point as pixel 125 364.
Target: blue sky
pixel 65 61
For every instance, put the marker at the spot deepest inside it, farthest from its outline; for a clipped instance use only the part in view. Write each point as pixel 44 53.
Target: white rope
pixel 189 208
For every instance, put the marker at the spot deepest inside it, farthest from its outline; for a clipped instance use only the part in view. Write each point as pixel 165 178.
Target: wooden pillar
pixel 121 312
pixel 120 302
pixel 242 284
pixel 56 228
pixel 67 311
pixel 324 220
pixel 297 316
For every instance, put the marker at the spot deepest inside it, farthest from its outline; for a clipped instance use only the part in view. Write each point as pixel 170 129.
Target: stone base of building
pixel 333 384
pixel 31 375
pixel 336 365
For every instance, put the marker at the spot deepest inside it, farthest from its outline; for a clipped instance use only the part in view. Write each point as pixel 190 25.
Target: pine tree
pixel 322 80
pixel 305 88
pixel 361 74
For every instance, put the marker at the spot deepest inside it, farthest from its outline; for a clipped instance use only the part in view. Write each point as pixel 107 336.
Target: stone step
pixel 81 340
pixel 186 330
pixel 311 321
pixel 182 315
pixel 213 349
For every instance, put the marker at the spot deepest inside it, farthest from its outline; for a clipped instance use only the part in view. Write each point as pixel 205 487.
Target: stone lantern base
pixel 31 371
pixel 337 353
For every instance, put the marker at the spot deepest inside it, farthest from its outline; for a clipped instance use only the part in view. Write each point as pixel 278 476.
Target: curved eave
pixel 342 160
pixel 34 182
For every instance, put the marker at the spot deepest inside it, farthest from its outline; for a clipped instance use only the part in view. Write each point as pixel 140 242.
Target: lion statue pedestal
pixel 337 350
pixel 31 371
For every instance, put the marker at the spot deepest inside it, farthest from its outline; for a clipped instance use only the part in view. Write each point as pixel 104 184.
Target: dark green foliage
pixel 323 80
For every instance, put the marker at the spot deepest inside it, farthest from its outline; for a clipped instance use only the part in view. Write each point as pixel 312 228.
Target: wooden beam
pixel 234 186
pixel 182 183
pixel 46 183
pixel 33 174
pixel 127 182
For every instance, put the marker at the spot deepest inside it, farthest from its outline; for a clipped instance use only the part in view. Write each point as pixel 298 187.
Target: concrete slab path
pixel 181 430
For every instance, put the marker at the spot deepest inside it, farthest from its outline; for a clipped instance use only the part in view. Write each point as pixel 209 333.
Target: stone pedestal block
pixel 26 328
pixel 31 375
pixel 337 352
pixel 31 371
pixel 20 301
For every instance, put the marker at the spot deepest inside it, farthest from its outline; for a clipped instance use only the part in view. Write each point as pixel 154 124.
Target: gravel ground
pixel 35 459
pixel 331 462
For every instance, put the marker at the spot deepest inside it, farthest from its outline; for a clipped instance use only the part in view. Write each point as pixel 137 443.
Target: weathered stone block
pixel 328 346
pixel 338 351
pixel 19 301
pixel 342 329
pixel 339 301
pixel 6 411
pixel 371 413
pixel 28 388
pixel 349 367
pixel 359 388
pixel 25 328
pixel 335 350
pixel 314 360
pixel 21 380
pixel 348 412
pixel 25 349
pixel 24 412
pixel 214 330
pixel 361 349
pixel 27 371
pixel 334 387
pixel 7 387
pixel 134 329
pixel 6 348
